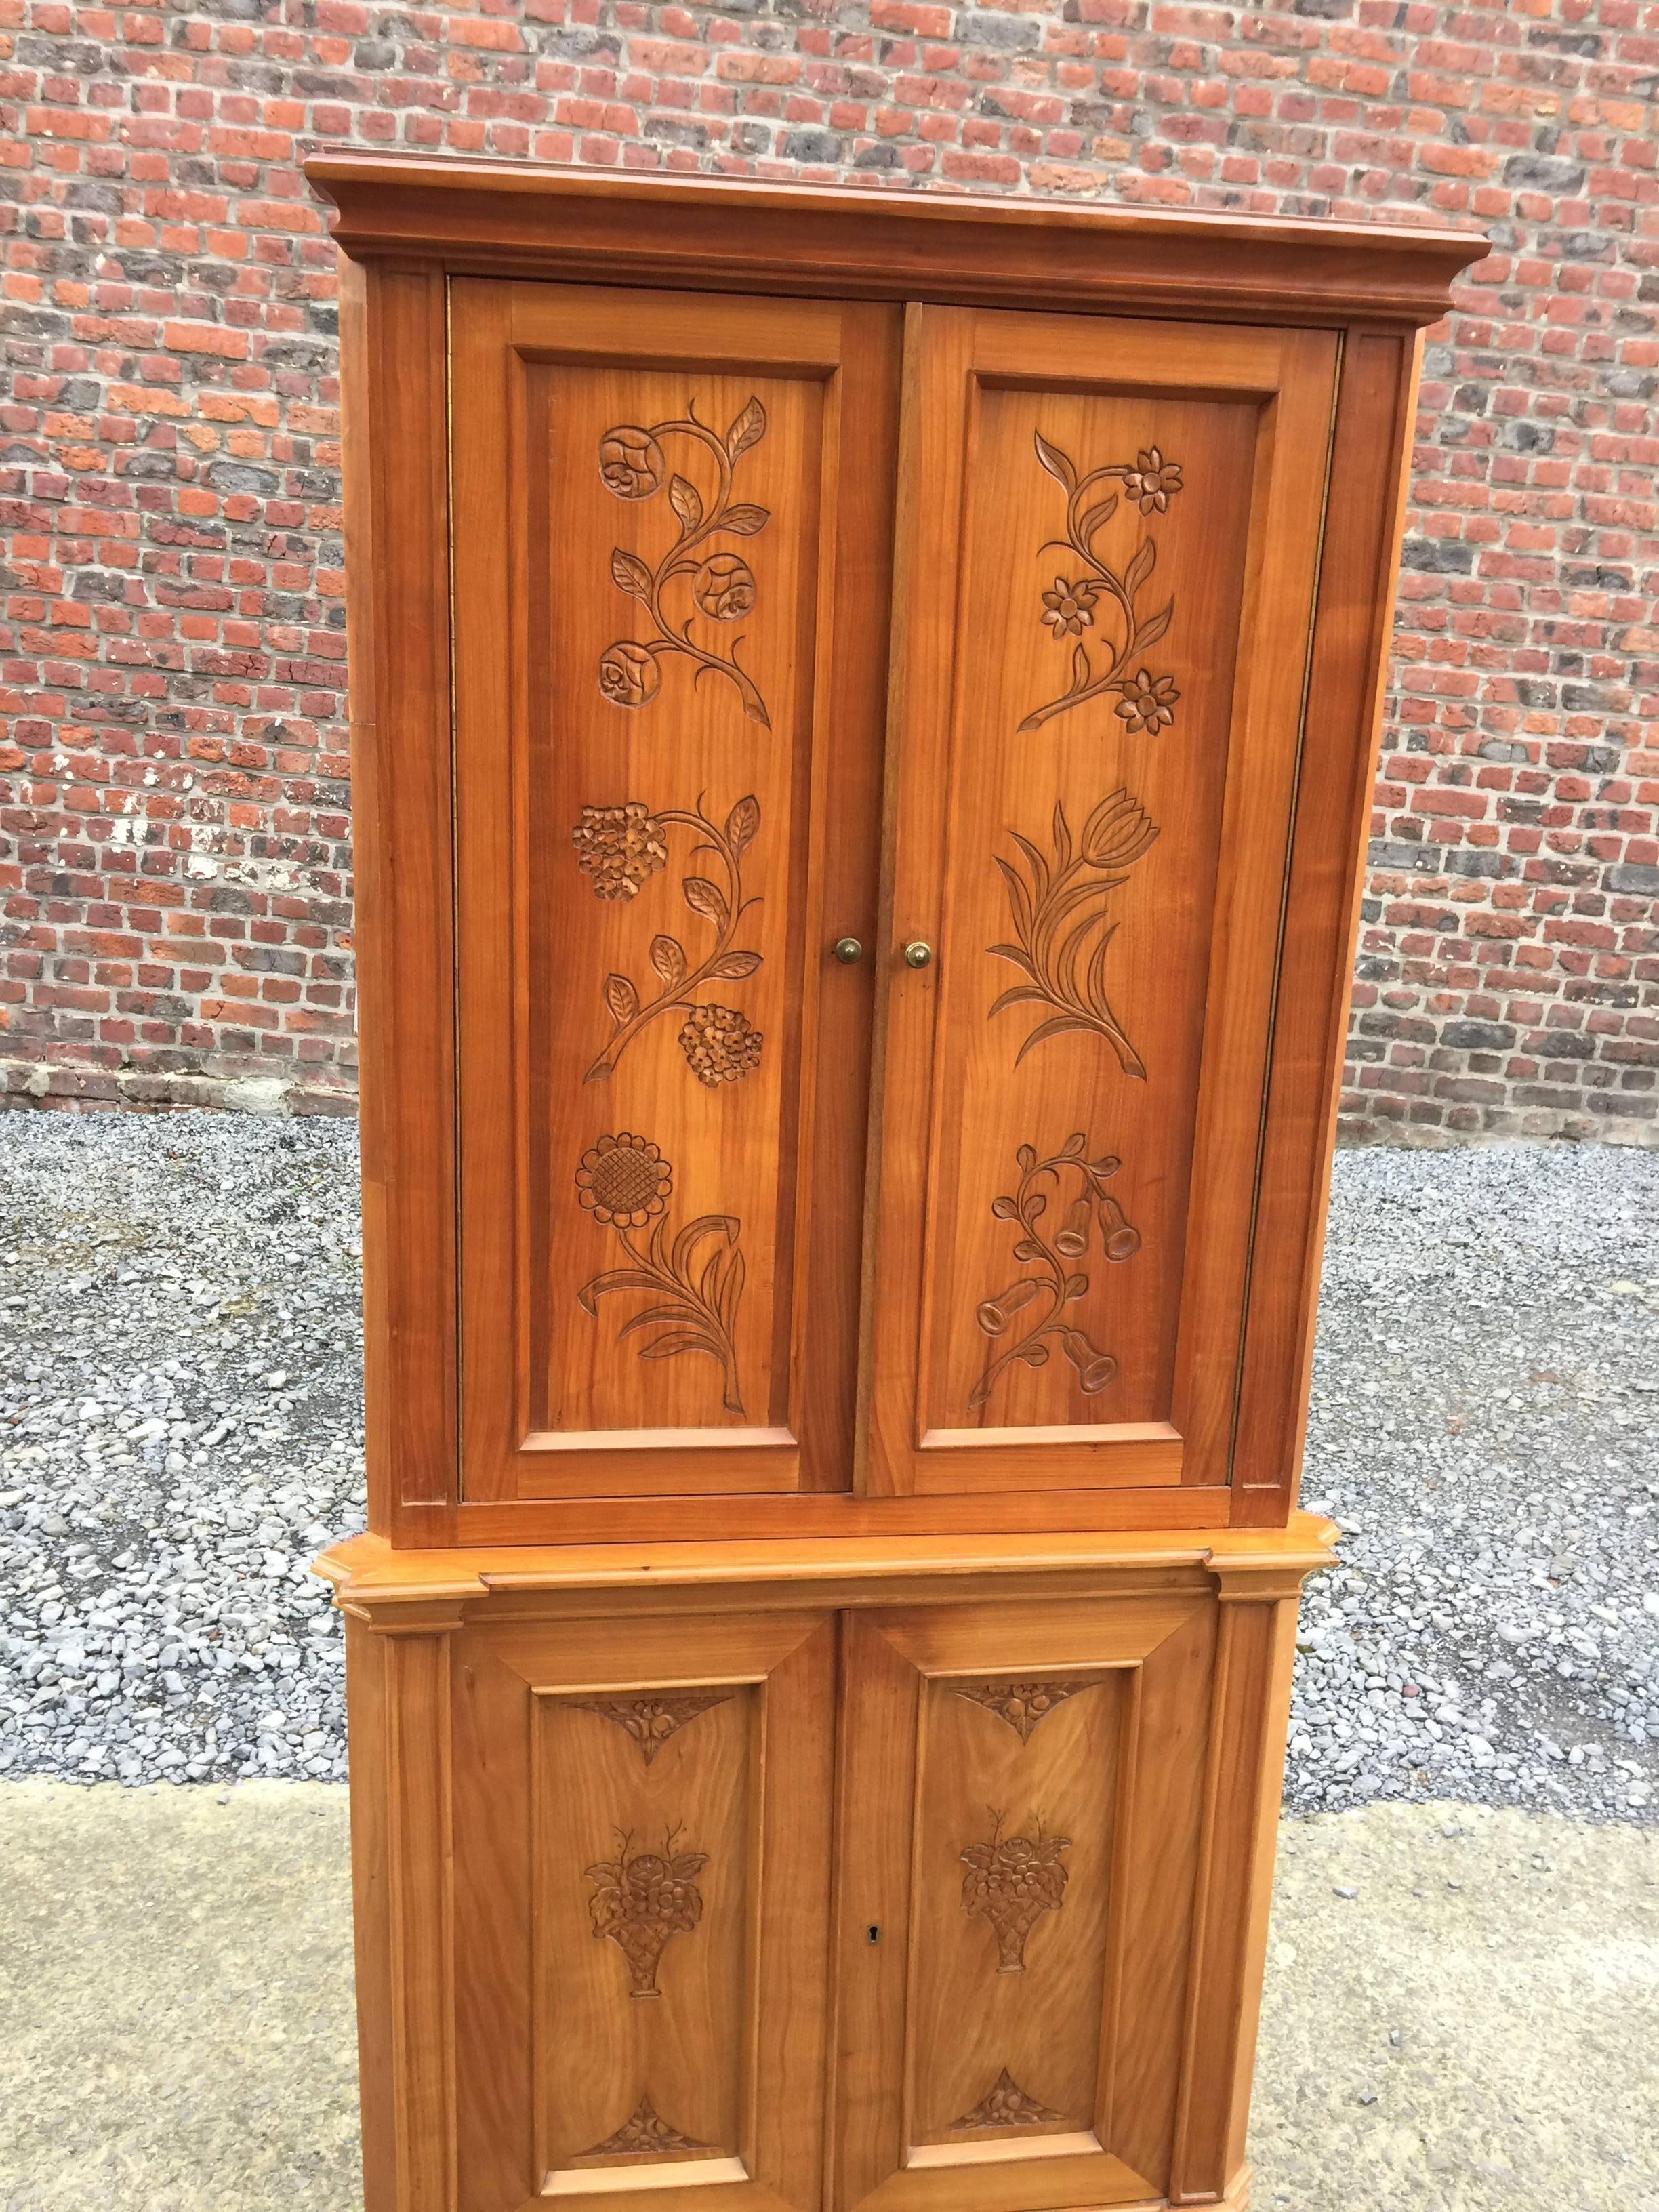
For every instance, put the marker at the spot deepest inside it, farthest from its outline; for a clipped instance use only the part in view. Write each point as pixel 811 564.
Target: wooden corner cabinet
pixel 863 725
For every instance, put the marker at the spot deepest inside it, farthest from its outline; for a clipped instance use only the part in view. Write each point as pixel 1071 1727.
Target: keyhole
pixel 875 1933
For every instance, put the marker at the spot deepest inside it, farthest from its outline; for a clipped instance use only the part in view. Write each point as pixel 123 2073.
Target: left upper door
pixel 671 582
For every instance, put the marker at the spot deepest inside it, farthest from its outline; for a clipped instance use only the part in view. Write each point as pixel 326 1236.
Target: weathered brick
pixel 174 802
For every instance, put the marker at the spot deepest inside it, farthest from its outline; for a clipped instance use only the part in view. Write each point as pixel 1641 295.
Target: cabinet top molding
pixel 703 233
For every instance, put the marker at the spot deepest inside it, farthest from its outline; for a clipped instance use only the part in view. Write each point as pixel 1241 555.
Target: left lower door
pixel 671 524
pixel 642 1823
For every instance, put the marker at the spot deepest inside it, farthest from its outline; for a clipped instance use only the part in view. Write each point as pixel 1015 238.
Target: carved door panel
pixel 643 1818
pixel 1110 537
pixel 672 517
pixel 1021 1805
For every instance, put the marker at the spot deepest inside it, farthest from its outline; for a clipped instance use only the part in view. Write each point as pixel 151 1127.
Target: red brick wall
pixel 175 803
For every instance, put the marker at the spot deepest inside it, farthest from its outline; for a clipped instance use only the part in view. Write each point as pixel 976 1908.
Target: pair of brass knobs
pixel 915 955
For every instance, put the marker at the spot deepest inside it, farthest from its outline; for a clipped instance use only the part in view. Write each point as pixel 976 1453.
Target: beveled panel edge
pixel 702 231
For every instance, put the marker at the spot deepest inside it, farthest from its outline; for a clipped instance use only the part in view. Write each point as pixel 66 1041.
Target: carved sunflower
pixel 625 1180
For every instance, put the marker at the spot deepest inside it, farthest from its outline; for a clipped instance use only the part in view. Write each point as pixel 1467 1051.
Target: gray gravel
pixel 180 1398
pixel 1486 1395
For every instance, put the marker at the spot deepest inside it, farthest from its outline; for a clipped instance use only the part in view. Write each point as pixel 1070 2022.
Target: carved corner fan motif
pixel 1058 910
pixel 644 2134
pixel 624 1183
pixel 1059 1283
pixel 621 847
pixel 722 586
pixel 649 1722
pixel 640 1903
pixel 1024 1705
pixel 1097 606
pixel 1011 1881
pixel 1005 2104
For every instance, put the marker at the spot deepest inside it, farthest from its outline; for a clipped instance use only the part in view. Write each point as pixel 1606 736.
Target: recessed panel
pixel 643 1884
pixel 673 594
pixel 1016 1808
pixel 1104 571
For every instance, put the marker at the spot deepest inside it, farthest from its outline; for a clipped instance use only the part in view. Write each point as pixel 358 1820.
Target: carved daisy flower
pixel 1069 607
pixel 1148 702
pixel 1153 482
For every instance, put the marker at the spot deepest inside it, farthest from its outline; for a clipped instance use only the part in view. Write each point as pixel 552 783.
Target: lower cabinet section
pixel 1023 1793
pixel 642 1815
pixel 941 1892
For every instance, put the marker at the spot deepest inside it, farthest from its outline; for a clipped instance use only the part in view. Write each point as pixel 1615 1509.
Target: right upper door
pixel 1110 537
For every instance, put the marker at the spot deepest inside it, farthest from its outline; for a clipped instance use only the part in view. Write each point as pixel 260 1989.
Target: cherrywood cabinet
pixel 863 713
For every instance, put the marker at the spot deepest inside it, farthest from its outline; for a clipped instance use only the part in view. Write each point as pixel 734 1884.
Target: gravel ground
pixel 179 1384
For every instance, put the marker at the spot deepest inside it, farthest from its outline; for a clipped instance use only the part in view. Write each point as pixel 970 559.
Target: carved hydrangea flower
pixel 1068 607
pixel 623 1179
pixel 1148 702
pixel 720 1044
pixel 724 586
pixel 1152 481
pixel 631 462
pixel 620 847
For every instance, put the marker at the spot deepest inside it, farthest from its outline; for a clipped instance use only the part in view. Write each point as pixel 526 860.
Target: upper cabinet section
pixel 672 523
pixel 862 714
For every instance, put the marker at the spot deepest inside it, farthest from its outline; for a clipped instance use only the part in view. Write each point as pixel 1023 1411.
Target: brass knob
pixel 847 950
pixel 917 954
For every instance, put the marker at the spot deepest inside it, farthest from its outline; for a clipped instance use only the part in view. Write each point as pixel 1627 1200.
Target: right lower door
pixel 1110 536
pixel 1022 1817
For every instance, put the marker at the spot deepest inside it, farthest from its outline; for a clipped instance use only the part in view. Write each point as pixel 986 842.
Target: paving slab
pixel 1461 2012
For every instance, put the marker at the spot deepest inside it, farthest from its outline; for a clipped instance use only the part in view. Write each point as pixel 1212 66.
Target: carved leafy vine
pixel 621 846
pixel 1059 1283
pixel 1096 594
pixel 1055 912
pixel 632 466
pixel 624 1183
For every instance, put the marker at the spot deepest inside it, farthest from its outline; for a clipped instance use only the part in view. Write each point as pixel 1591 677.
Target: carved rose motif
pixel 1011 1881
pixel 629 675
pixel 1148 702
pixel 623 1179
pixel 1153 482
pixel 1069 607
pixel 720 1044
pixel 724 586
pixel 1005 2104
pixel 631 462
pixel 638 1903
pixel 620 847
